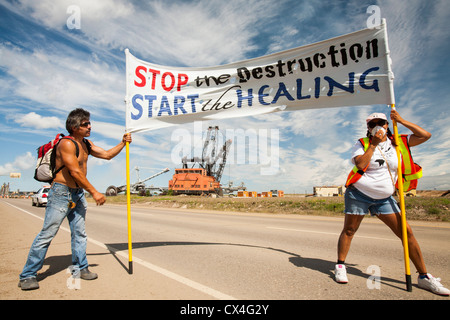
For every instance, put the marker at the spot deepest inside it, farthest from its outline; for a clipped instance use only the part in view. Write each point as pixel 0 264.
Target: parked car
pixel 40 197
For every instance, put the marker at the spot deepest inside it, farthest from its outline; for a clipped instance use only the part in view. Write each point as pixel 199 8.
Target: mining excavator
pixel 201 175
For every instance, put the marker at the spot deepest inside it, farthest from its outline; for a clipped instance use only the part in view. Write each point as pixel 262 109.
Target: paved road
pixel 211 255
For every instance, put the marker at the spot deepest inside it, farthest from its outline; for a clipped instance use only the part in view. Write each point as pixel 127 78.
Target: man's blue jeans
pixel 57 209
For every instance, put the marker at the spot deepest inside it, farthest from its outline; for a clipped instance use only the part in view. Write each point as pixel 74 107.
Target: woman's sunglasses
pixel 373 124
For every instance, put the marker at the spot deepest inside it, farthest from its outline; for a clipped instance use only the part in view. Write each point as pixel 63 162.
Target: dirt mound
pixel 433 193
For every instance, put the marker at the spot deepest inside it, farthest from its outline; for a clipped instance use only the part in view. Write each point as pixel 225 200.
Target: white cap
pixel 376 116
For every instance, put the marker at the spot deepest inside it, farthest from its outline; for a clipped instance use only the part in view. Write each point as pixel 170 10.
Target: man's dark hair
pixel 75 118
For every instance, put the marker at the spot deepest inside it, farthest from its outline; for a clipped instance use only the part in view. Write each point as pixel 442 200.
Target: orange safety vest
pixel 411 171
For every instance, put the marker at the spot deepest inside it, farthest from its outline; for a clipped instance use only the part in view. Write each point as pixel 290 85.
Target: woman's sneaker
pixel 433 284
pixel 340 273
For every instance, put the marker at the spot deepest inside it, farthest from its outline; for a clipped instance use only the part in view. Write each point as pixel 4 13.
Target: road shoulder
pixel 17 232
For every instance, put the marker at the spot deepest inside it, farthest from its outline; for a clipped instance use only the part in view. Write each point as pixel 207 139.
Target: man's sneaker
pixel 340 273
pixel 29 284
pixel 433 284
pixel 85 274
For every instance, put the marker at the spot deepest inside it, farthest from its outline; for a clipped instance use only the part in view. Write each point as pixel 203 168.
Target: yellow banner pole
pixel 402 208
pixel 130 246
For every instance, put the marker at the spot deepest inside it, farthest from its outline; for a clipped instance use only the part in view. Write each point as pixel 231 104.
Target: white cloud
pixel 413 28
pixel 318 166
pixel 190 33
pixel 22 162
pixel 63 81
pixel 37 121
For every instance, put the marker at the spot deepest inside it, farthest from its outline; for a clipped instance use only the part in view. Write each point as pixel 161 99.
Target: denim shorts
pixel 358 203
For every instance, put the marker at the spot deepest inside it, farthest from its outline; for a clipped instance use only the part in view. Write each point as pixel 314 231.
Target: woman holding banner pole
pixel 370 186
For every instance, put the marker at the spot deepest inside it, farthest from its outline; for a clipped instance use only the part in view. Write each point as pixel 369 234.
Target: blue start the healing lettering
pixel 178 105
pixel 183 105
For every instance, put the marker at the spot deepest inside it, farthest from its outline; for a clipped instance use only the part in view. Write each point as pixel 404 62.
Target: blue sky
pixel 47 69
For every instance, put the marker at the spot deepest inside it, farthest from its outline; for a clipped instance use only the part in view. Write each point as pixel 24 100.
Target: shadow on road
pixel 324 266
pixel 57 264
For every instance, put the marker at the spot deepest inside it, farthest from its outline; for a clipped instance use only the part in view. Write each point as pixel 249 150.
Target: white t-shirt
pixel 376 182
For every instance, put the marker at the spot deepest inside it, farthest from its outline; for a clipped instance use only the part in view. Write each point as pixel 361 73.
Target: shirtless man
pixel 66 198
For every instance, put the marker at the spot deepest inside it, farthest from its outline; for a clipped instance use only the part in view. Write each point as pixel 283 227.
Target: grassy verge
pixel 417 208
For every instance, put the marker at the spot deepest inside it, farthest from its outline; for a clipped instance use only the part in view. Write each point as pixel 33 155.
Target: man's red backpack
pixel 45 166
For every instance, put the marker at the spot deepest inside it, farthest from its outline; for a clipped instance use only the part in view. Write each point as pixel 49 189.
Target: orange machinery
pixel 204 179
pixel 193 181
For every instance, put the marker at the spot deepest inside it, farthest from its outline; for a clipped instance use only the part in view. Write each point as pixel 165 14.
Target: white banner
pixel 349 70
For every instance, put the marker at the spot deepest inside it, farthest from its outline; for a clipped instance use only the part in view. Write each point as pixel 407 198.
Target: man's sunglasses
pixel 85 124
pixel 373 124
